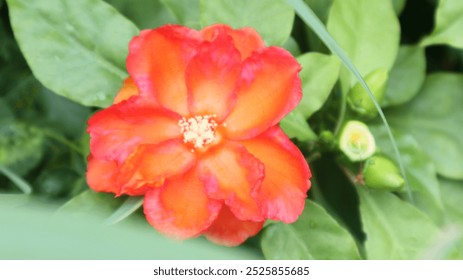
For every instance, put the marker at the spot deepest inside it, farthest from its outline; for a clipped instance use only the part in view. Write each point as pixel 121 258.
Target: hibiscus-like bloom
pixel 195 130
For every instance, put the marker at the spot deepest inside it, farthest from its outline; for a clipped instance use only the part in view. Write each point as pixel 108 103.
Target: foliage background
pixel 61 60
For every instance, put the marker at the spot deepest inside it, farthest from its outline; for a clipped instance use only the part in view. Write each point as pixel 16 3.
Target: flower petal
pixel 128 90
pixel 269 89
pixel 211 78
pixel 102 175
pixel 246 40
pixel 231 173
pixel 283 191
pixel 157 61
pixel 115 132
pixel 230 231
pixel 181 207
pixel 151 165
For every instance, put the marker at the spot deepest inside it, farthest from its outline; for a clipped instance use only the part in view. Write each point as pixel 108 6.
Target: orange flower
pixel 195 130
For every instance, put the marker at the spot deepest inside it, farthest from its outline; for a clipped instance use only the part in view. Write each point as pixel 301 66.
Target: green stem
pixel 342 114
pixel 64 141
pixel 18 181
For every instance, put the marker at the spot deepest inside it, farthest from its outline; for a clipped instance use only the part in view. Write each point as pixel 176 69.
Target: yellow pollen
pixel 198 130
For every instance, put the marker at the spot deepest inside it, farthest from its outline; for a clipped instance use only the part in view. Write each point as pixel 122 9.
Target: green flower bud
pixel 359 100
pixel 381 173
pixel 327 139
pixel 356 141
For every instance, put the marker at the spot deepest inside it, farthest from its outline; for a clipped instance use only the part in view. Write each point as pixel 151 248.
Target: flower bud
pixel 359 100
pixel 356 141
pixel 327 140
pixel 381 173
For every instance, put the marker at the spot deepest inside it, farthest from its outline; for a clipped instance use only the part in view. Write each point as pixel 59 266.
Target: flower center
pixel 198 130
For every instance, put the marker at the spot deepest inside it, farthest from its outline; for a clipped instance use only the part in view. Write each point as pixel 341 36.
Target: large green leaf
pixel 368 31
pixel 144 13
pixel 186 12
pixel 75 48
pixel 434 117
pixel 30 232
pixel 452 194
pixel 319 74
pixel 295 126
pixel 394 228
pixel 420 170
pixel 315 235
pixel 449 23
pixel 406 76
pixel 273 19
pixel 398 5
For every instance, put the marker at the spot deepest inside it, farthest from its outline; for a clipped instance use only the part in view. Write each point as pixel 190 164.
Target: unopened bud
pixel 381 173
pixel 359 100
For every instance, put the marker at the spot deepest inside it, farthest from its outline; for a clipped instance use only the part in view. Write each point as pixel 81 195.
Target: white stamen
pixel 198 130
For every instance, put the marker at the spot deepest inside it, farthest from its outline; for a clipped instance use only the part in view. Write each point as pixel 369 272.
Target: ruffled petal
pixel 181 208
pixel 231 173
pixel 128 90
pixel 283 190
pixel 157 61
pixel 211 78
pixel 269 89
pixel 102 175
pixel 246 40
pixel 151 165
pixel 115 132
pixel 230 231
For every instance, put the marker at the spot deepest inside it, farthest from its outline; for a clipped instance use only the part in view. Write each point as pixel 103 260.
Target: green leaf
pixel 434 117
pixel 21 146
pixel 75 48
pixel 295 126
pixel 319 75
pixel 130 205
pixel 9 201
pixel 186 12
pixel 89 202
pixel 398 5
pixel 449 23
pixel 368 31
pixel 273 19
pixel 292 46
pixel 144 13
pixel 315 235
pixel 410 63
pixel 395 229
pixel 30 232
pixel 321 9
pixel 452 194
pixel 420 170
